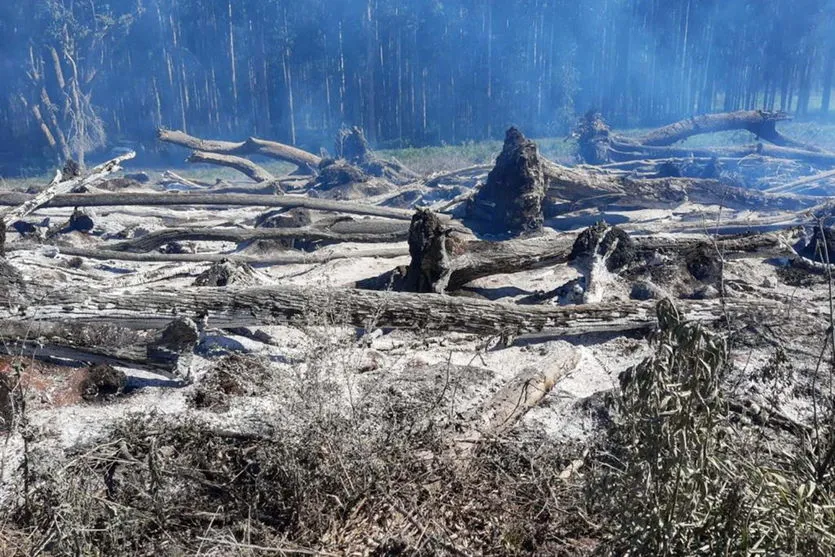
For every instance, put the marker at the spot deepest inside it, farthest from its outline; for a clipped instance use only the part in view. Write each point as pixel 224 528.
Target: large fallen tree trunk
pixel 514 197
pixel 159 238
pixel 586 188
pixel 124 199
pixel 598 145
pixel 761 123
pixel 168 352
pixel 267 259
pixel 306 162
pixel 466 262
pixel 242 307
pixel 796 184
pixel 626 152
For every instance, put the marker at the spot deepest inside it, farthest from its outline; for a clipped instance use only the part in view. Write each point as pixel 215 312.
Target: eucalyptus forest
pixel 409 73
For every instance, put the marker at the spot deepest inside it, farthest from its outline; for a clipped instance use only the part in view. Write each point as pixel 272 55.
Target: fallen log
pixel 511 402
pixel 466 262
pixel 229 200
pixel 759 122
pixel 481 259
pixel 247 167
pixel 164 353
pixel 791 186
pixel 242 307
pixel 598 145
pixel 524 392
pixel 159 238
pixel 522 182
pixel 59 186
pixel 287 258
pixel 627 151
pixel 588 188
pixel 306 162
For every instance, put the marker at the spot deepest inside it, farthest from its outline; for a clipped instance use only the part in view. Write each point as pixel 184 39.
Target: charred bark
pixel 761 123
pixel 511 200
pixel 352 146
pixel 473 260
pixel 266 259
pixel 97 344
pixel 429 270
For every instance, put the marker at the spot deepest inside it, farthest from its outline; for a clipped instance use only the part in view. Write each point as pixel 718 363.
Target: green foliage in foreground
pixel 681 479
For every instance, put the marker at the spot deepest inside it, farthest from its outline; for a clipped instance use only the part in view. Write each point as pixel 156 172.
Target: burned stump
pixel 173 348
pixel 611 243
pixel 704 263
pixel 225 273
pixel 429 270
pixel 593 138
pixel 511 200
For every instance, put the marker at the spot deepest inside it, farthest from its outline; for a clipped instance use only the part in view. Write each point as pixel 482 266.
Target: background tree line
pixel 82 75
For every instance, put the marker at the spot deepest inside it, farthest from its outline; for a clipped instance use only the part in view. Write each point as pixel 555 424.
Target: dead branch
pixel 170 177
pixel 59 186
pixel 252 146
pixel 792 186
pixel 252 170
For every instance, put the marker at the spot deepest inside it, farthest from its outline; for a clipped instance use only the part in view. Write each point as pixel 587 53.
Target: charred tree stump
pixel 429 270
pixel 511 200
pixel 357 171
pixel 173 348
pixel 226 273
pixel 352 146
pixel 592 134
